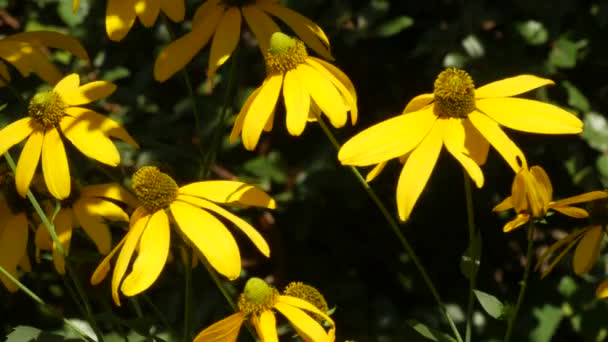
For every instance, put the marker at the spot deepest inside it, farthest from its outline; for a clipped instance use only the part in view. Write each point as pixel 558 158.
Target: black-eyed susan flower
pixel 55 111
pixel 258 303
pixel 310 86
pixel 90 208
pixel 190 208
pixel 532 197
pixel 27 52
pixel 221 19
pixel 121 14
pixel 463 119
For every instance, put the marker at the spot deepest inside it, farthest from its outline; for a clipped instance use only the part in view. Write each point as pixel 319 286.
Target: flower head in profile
pixel 532 197
pixel 121 14
pixel 193 209
pixel 54 113
pixel 28 53
pixel 221 19
pixel 463 119
pixel 90 208
pixel 309 86
pixel 258 303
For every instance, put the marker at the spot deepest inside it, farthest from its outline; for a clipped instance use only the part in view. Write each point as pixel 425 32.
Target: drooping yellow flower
pixel 310 86
pixel 532 197
pixel 89 208
pixel 257 303
pixel 191 208
pixel 221 19
pixel 463 119
pixel 121 14
pixel 55 111
pixel 26 52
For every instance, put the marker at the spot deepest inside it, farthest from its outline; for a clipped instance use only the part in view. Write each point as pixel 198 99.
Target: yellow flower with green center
pixel 532 197
pixel 310 86
pixel 58 111
pixel 463 119
pixel 121 14
pixel 257 303
pixel 193 209
pixel 89 208
pixel 221 19
pixel 28 53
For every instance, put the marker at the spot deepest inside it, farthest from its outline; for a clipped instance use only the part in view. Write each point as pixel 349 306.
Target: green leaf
pixel 533 32
pixel 565 52
pixel 430 333
pixel 64 9
pixel 471 259
pixel 492 305
pixel 602 166
pixel 576 99
pixel 23 333
pixel 567 286
pixel 394 26
pixel 595 131
pixel 549 318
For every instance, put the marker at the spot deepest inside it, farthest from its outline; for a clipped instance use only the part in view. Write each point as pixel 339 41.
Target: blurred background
pixel 326 232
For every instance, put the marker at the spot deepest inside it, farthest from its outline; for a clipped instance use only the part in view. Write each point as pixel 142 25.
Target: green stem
pixel 51 229
pixel 187 294
pixel 473 257
pixel 140 314
pixel 395 228
pixel 523 283
pixel 158 313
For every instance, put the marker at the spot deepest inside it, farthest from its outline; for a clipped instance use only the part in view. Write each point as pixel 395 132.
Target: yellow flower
pixel 121 14
pixel 257 303
pixel 190 207
pixel 310 86
pixel 463 119
pixel 26 51
pixel 89 208
pixel 532 197
pixel 221 19
pixel 55 111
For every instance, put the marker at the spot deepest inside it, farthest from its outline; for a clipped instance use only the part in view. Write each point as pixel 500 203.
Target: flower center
pixel 285 53
pixel 47 109
pixel 236 3
pixel 155 189
pixel 454 94
pixel 257 296
pixel 310 294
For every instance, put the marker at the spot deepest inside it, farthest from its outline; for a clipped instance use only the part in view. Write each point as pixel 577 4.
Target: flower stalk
pixel 472 237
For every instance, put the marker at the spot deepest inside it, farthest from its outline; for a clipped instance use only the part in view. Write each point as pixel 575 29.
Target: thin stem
pixel 473 275
pixel 158 313
pixel 140 314
pixel 523 284
pixel 395 228
pixel 187 294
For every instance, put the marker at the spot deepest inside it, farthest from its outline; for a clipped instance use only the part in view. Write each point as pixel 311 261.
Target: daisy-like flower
pixel 257 303
pixel 532 197
pixel 121 14
pixel 26 51
pixel 221 19
pixel 89 208
pixel 55 111
pixel 463 119
pixel 310 86
pixel 190 208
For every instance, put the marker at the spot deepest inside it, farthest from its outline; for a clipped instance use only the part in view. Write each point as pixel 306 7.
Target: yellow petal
pixel 506 204
pixel 63 227
pixel 102 123
pixel 417 170
pixel 28 162
pixel 120 16
pixel 343 79
pixel 75 6
pixel 229 192
pixel 304 305
pixel 454 141
pixel 174 9
pixel 43 240
pixel 28 58
pixel 497 138
pixel 297 103
pixel 261 25
pixel 570 240
pixel 55 166
pixel 312 35
pixel 225 40
pixel 324 93
pixel 5 75
pixel 375 172
pixel 349 96
pixel 303 323
pixel 70 83
pixel 88 93
pixel 389 139
pixel 13 239
pixel 202 11
pixel 53 40
pixel 475 143
pixel 104 266
pixel 516 222
pixel 176 55
pixel 91 215
pixel 152 255
pixel 586 197
pixel 511 86
pixel 571 211
pixel 602 290
pixel 418 102
pixel 260 110
pixel 92 142
pixel 530 116
pixel 210 237
pixel 545 189
pixel 267 327
pixel 237 128
pixel 226 330
pixel 243 225
pixel 126 252
pixel 14 133
pixel 588 250
pixel 147 11
pixel 110 190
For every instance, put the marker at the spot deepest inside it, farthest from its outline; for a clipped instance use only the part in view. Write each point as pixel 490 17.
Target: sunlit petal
pixel 261 25
pixel 267 327
pixel 14 133
pixel 260 110
pixel 229 192
pixel 88 93
pixel 55 168
pixel 511 86
pixel 120 16
pixel 96 121
pixel 226 330
pixel 324 93
pixel 454 141
pixel 28 162
pixel 305 324
pixel 224 41
pixel 516 222
pixel 476 145
pixel 375 172
pixel 348 94
pixel 297 103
